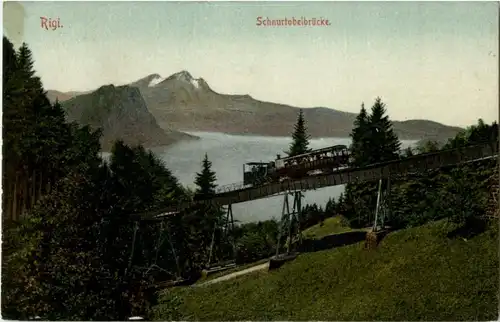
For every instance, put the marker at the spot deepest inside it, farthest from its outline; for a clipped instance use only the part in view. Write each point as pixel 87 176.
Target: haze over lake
pixel 228 153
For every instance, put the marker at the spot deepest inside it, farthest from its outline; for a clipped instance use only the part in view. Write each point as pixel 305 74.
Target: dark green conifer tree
pixel 33 84
pixel 360 137
pixel 408 152
pixel 374 141
pixel 330 208
pixel 205 180
pixel 206 220
pixel 84 210
pixel 35 132
pixel 300 143
pixel 9 61
pixel 384 143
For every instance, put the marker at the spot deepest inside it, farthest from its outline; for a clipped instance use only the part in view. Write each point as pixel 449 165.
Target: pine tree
pixel 24 138
pixel 408 152
pixel 339 207
pixel 359 137
pixel 82 210
pixel 207 220
pixel 331 207
pixel 374 141
pixel 25 63
pixel 384 144
pixel 425 146
pixel 205 180
pixel 300 138
pixel 9 61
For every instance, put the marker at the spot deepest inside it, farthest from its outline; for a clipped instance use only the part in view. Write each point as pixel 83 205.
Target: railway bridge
pixel 417 164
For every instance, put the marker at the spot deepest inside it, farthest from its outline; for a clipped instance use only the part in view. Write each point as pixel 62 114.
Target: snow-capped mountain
pixel 185 103
pixel 155 80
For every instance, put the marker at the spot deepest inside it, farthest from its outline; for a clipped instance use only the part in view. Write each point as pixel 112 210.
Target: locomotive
pixel 321 161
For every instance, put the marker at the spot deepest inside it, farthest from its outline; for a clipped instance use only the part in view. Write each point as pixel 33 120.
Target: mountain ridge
pixel 185 103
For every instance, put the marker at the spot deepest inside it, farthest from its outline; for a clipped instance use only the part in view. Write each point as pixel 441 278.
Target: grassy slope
pixel 416 274
pixel 332 225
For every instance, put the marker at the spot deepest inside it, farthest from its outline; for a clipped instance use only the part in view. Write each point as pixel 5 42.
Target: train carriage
pixel 319 161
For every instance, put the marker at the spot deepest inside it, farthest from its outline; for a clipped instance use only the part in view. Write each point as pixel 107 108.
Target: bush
pixel 253 247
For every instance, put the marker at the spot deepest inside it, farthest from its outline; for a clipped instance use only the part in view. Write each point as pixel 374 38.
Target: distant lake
pixel 228 153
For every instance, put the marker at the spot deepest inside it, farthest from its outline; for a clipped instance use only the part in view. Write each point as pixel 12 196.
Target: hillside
pixel 122 114
pixel 54 95
pixel 188 104
pixel 414 274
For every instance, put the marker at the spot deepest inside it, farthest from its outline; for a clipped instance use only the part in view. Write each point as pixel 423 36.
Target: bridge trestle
pixel 382 209
pixel 288 219
pixel 227 234
pixel 163 235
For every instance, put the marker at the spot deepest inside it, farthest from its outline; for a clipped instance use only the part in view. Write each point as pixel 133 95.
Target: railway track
pixel 412 165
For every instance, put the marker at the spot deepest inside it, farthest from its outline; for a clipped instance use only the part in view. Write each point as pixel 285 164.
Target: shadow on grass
pixel 331 241
pixel 471 228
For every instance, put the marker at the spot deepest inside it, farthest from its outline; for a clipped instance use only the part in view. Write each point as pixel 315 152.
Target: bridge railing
pixel 231 187
pixel 406 166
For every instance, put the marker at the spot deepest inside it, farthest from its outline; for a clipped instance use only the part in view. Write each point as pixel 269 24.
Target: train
pixel 320 161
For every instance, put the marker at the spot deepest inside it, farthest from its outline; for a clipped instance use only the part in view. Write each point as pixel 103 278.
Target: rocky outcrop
pixel 121 113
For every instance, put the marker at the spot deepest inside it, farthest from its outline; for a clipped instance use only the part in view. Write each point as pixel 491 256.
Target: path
pixel 235 274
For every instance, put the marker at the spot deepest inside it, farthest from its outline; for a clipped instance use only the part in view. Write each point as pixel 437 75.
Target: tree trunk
pixel 24 195
pixel 40 185
pixel 14 200
pixel 33 189
pixel 47 186
pixel 7 199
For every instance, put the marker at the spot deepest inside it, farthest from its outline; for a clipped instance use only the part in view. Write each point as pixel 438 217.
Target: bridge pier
pixel 153 262
pixel 161 240
pixel 134 238
pixel 382 212
pixel 288 218
pixel 227 230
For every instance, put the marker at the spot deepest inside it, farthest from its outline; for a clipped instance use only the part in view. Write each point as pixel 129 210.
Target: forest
pixel 72 251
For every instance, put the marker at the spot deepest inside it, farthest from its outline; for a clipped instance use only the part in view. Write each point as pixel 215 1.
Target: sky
pixel 426 60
